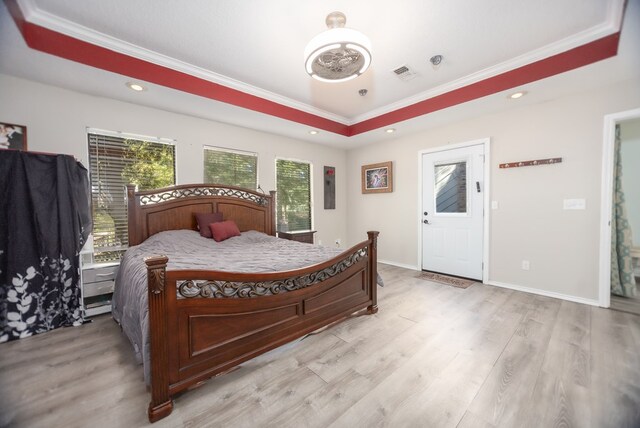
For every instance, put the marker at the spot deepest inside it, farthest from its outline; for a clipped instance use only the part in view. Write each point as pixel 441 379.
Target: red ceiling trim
pixel 67 47
pixel 61 45
pixel 589 53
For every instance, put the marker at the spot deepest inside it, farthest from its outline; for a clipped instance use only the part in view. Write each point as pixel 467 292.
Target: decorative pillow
pixel 224 230
pixel 204 220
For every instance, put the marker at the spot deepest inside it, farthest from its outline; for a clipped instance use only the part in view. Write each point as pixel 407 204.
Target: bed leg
pixel 161 404
pixel 160 411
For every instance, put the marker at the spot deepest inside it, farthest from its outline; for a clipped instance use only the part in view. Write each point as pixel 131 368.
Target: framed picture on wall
pixel 377 178
pixel 13 136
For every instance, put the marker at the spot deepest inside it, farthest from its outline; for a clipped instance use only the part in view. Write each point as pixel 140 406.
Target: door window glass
pixel 451 187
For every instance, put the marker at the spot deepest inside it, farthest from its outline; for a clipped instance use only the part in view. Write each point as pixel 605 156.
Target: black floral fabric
pixel 45 219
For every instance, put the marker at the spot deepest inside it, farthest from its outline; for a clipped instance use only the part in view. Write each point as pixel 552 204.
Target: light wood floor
pixel 434 356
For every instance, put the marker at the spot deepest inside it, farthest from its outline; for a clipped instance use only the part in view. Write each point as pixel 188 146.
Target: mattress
pixel 251 252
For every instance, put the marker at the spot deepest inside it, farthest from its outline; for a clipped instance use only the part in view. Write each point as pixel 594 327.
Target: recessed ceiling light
pixel 135 86
pixel 517 95
pixel 435 60
pixel 313 132
pixel 390 130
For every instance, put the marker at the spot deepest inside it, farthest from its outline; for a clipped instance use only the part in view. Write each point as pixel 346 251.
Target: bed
pixel 203 322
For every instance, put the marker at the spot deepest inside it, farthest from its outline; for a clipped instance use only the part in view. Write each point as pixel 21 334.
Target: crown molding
pixel 610 26
pixel 39 17
pixel 615 14
pixel 580 56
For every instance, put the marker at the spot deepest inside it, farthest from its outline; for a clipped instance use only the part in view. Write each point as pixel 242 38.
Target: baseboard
pixel 401 265
pixel 591 302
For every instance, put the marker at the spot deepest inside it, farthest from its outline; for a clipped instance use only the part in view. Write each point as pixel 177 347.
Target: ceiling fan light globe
pixel 345 46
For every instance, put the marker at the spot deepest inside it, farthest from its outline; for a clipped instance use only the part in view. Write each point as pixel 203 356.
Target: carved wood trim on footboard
pixel 203 323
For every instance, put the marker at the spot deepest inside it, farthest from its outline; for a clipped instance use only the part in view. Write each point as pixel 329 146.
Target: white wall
pixel 56 121
pixel 630 154
pixel 562 246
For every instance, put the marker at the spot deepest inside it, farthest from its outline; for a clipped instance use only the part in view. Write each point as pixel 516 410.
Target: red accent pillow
pixel 224 230
pixel 204 220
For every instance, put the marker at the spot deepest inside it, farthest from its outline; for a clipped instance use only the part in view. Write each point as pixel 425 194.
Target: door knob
pixel 426 222
pixel 426 213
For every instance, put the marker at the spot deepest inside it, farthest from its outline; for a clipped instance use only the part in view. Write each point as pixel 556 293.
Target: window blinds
pixel 293 184
pixel 115 162
pixel 230 168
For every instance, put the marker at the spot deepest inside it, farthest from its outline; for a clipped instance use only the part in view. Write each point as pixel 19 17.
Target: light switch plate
pixel 574 204
pixel 494 205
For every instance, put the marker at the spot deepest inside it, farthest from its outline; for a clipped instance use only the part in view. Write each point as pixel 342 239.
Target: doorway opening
pixel 620 213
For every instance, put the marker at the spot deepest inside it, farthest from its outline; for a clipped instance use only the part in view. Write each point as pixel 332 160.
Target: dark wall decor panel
pixel 329 188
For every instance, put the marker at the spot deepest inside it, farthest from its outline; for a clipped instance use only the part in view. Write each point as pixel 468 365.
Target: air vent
pixel 404 73
pixel 401 70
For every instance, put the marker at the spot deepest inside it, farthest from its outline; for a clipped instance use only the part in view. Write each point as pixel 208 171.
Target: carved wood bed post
pixel 373 270
pixel 161 404
pixel 273 212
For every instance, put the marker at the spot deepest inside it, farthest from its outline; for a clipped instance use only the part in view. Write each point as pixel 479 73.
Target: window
pixel 293 185
pixel 230 167
pixel 114 162
pixel 451 187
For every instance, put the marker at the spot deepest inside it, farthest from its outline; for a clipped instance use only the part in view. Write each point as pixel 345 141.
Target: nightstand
pixel 98 281
pixel 299 235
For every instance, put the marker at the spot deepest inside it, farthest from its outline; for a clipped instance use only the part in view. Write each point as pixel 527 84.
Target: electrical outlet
pixel 525 265
pixel 494 205
pixel 337 242
pixel 319 241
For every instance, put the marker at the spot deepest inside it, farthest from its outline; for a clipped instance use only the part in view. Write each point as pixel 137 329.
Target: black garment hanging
pixel 45 219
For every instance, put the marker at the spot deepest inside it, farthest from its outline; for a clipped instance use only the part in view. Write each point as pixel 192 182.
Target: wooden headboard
pixel 172 208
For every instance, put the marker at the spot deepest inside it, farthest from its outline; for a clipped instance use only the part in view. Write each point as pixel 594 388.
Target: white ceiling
pixel 256 46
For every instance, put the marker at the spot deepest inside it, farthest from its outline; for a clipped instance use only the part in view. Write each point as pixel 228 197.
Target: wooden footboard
pixel 205 322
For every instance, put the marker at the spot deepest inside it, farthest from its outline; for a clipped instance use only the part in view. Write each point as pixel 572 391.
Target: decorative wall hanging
pixel 377 178
pixel 537 162
pixel 39 252
pixel 13 136
pixel 329 188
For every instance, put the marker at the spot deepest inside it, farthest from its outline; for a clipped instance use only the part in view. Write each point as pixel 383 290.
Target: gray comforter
pixel 251 252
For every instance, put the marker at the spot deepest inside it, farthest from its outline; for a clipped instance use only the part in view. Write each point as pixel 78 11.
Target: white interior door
pixel 452 215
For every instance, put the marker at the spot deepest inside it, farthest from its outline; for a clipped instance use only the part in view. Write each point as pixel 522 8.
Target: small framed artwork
pixel 377 178
pixel 13 136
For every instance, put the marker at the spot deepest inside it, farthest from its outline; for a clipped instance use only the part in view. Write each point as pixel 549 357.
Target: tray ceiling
pixel 255 49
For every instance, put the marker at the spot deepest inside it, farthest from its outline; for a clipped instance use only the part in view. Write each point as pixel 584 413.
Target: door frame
pixel 606 201
pixel 486 142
